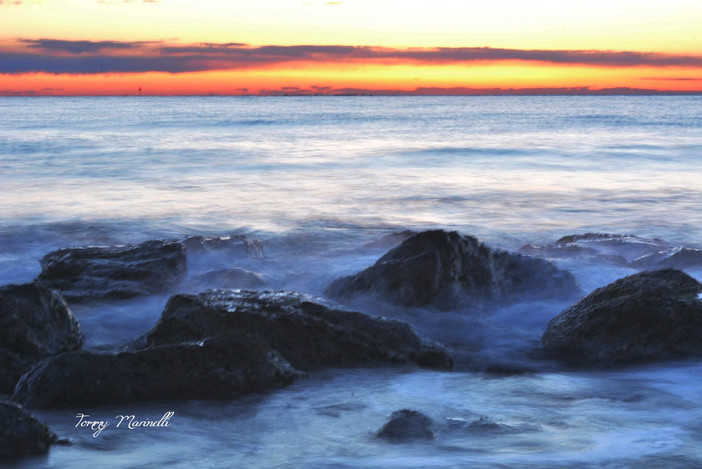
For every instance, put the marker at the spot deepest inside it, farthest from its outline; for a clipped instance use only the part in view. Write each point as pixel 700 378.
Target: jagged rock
pixel 678 258
pixel 229 365
pixel 643 317
pixel 35 323
pixel 305 330
pixel 407 425
pixel 227 278
pixel 114 272
pixel 447 269
pixel 21 434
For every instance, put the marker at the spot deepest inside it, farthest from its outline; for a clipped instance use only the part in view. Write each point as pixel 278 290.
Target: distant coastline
pixel 457 91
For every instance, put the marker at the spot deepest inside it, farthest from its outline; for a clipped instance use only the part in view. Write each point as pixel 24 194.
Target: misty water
pixel 322 182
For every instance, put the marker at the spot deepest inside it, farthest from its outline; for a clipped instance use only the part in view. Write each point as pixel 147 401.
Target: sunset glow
pixel 166 47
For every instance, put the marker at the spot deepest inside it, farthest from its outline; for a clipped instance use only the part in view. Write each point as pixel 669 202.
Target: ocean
pixel 321 182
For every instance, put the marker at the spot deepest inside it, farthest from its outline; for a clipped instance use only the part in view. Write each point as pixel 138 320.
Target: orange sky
pixel 165 47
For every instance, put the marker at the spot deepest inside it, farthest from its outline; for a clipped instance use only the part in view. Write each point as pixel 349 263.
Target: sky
pixel 274 47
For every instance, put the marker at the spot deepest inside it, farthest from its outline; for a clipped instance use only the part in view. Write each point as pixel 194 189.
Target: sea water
pixel 320 181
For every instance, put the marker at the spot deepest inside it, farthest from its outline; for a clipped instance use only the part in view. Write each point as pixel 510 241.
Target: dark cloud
pixel 672 78
pixel 80 47
pixel 39 55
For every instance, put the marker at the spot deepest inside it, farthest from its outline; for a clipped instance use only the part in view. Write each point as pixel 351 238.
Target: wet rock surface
pixel 227 366
pixel 82 274
pixel 447 269
pixel 307 331
pixel 407 425
pixel 677 258
pixel 21 434
pixel 643 317
pixel 35 323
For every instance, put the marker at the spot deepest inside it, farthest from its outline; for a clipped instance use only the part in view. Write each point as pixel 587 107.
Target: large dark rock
pixel 643 317
pixel 227 366
pixel 304 329
pixel 446 269
pixel 21 434
pixel 114 272
pixel 407 425
pixel 35 323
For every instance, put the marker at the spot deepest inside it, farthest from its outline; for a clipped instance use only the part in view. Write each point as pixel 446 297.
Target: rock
pixel 628 247
pixel 228 246
pixel 21 434
pixel 114 272
pixel 447 269
pixel 230 365
pixel 227 278
pixel 305 330
pixel 643 317
pixel 482 426
pixel 678 258
pixel 35 323
pixel 407 425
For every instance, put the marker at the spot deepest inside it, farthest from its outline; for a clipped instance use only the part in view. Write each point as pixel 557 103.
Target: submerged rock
pixel 446 269
pixel 227 366
pixel 35 323
pixel 678 258
pixel 644 317
pixel 21 434
pixel 227 278
pixel 305 330
pixel 481 426
pixel 114 272
pixel 199 248
pixel 613 248
pixel 407 425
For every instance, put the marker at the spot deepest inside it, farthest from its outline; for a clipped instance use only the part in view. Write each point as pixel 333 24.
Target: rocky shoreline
pixel 223 333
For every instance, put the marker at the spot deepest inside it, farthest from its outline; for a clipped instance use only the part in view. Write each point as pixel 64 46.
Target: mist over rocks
pixel 35 323
pixel 229 365
pixel 306 330
pixel 226 278
pixel 649 316
pixel 221 252
pixel 21 434
pixel 113 273
pixel 446 270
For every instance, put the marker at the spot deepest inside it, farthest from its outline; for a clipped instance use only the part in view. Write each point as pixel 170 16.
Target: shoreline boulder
pixel 647 316
pixel 447 269
pixel 306 330
pixel 122 272
pixel 228 366
pixel 21 434
pixel 35 323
